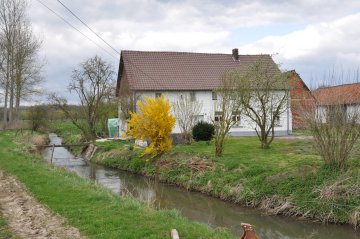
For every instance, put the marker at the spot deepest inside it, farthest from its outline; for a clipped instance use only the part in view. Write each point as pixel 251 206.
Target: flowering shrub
pixel 154 123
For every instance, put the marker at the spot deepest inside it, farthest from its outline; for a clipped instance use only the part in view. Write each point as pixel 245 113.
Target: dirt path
pixel 26 216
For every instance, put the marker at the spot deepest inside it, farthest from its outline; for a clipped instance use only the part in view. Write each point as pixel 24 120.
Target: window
pixel 277 120
pixel 158 94
pixel 218 116
pixel 199 118
pixel 192 96
pixel 214 95
pixel 235 116
pixel 333 111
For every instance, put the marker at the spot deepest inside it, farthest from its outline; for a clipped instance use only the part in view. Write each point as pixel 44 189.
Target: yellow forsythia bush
pixel 153 122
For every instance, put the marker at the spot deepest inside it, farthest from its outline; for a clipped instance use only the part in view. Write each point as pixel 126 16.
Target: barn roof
pixel 342 94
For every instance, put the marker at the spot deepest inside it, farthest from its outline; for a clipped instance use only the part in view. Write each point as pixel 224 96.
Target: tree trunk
pixel 264 139
pixel 219 146
pixel 6 104
pixel 18 92
pixel 11 102
pixel 17 109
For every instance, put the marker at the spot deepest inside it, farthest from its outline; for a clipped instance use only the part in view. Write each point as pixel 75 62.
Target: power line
pixel 68 9
pixel 87 26
pixel 76 29
pixel 131 63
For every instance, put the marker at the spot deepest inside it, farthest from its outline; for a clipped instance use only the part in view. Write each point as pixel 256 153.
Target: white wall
pixel 322 111
pixel 203 97
pixel 245 127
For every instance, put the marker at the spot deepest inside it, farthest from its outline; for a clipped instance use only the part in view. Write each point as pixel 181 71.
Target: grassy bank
pixel 289 178
pixel 96 211
pixel 66 129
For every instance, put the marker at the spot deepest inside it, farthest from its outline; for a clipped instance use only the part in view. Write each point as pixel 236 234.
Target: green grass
pixel 66 129
pixel 5 232
pixel 288 171
pixel 96 211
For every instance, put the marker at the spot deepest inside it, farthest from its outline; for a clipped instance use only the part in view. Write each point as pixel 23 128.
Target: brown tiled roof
pixel 342 94
pixel 181 70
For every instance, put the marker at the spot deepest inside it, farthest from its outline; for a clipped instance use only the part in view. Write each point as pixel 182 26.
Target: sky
pixel 317 38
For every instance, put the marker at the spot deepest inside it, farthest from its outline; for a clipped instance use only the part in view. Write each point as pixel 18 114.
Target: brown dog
pixel 248 231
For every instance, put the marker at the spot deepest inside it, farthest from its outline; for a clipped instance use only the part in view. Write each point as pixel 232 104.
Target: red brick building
pixel 301 99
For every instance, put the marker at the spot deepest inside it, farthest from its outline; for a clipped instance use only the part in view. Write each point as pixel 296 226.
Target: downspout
pixel 288 112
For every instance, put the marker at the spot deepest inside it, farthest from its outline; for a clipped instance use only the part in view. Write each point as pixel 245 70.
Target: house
pixel 196 75
pixel 347 96
pixel 302 99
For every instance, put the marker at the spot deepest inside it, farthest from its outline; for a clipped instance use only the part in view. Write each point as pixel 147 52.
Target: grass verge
pixel 289 178
pixel 96 211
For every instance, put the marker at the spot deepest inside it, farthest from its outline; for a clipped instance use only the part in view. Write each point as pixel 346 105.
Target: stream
pixel 194 205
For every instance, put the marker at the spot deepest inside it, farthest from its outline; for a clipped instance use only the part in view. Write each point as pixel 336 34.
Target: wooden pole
pixel 52 153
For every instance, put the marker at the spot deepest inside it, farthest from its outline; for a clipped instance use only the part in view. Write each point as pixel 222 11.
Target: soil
pixel 27 217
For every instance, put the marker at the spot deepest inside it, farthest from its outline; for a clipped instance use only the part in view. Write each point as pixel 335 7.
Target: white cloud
pixel 317 48
pixel 199 26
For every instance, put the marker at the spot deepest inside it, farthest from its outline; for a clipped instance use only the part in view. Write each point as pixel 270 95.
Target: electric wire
pixel 71 25
pixel 84 23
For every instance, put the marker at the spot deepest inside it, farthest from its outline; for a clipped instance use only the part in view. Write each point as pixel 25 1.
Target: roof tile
pixel 342 94
pixel 182 70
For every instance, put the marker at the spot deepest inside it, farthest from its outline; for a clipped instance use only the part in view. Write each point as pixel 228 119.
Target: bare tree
pixel 335 136
pixel 186 112
pixel 264 93
pixel 28 67
pixel 227 109
pixel 19 68
pixel 333 121
pixel 127 104
pixel 108 108
pixel 92 82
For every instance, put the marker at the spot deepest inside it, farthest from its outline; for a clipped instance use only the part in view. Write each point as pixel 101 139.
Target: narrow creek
pixel 193 205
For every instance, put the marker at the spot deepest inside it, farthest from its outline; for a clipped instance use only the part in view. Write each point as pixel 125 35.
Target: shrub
pixel 38 117
pixel 154 122
pixel 203 131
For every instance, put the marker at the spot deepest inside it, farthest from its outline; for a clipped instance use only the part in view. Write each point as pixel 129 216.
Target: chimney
pixel 235 54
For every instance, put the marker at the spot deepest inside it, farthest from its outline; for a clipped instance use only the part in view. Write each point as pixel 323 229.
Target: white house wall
pixel 322 111
pixel 353 110
pixel 203 97
pixel 245 127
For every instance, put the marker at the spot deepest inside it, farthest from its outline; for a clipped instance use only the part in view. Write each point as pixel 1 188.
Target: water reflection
pixel 194 205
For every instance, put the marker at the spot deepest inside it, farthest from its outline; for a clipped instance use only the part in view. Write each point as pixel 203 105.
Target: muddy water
pixel 194 205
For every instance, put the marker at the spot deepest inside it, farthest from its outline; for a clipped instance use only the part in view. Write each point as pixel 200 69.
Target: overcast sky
pixel 311 36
